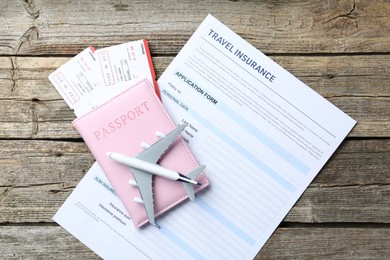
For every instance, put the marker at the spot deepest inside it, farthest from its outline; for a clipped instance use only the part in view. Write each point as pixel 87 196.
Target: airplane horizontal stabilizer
pixel 190 187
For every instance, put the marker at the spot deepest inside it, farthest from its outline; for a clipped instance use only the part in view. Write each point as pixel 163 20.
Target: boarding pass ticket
pixel 93 76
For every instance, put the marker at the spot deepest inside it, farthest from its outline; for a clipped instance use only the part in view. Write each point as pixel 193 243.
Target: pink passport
pixel 121 125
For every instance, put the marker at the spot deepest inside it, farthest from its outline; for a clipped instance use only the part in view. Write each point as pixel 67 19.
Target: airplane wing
pixel 154 153
pixel 144 183
pixel 144 179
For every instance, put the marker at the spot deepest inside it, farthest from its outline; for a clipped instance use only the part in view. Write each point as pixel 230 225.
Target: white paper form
pixel 95 215
pixel 263 135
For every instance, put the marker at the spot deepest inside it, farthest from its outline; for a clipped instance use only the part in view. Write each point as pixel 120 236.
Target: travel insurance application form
pixel 263 134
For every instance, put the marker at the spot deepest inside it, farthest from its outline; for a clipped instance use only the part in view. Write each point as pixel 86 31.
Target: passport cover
pixel 121 125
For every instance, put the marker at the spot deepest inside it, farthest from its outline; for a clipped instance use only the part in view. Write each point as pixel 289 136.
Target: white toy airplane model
pixel 144 166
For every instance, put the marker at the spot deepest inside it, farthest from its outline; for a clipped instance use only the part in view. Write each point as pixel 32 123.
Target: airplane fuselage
pixel 148 167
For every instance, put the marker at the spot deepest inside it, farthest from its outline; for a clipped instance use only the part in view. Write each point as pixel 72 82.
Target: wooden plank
pixel 343 191
pixel 327 243
pixel 41 242
pixel 52 119
pixel 36 119
pixel 26 78
pixel 342 204
pixel 45 242
pixel 30 107
pixel 356 162
pixel 353 204
pixel 34 163
pixel 38 204
pixel 313 41
pixel 45 27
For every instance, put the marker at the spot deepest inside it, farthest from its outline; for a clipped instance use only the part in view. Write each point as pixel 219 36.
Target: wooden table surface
pixel 341 49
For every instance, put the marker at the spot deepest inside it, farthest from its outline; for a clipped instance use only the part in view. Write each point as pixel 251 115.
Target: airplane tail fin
pixel 190 187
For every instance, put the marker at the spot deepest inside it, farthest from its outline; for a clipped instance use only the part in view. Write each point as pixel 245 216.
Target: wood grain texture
pixel 340 48
pixel 41 242
pixel 327 243
pixel 369 204
pixel 45 27
pixel 30 107
pixel 48 242
pixel 36 180
pixel 37 162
